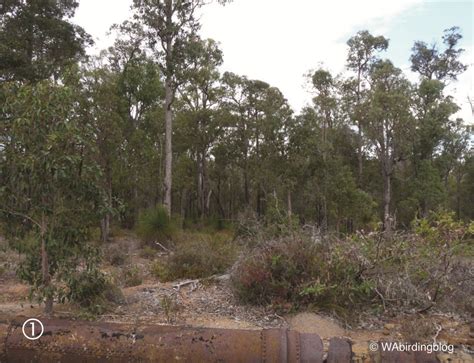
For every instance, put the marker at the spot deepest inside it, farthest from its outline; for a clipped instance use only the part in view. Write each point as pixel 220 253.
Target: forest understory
pixel 139 297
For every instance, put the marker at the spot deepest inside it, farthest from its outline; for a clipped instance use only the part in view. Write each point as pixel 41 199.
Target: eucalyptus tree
pixel 50 194
pixel 169 26
pixel 260 117
pixel 432 63
pixel 239 132
pixel 434 141
pixel 389 124
pixel 139 93
pixel 200 122
pixel 37 39
pixel 363 49
pixel 325 104
pixel 101 108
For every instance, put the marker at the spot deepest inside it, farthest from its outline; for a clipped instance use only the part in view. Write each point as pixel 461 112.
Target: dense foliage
pixel 415 271
pixel 90 142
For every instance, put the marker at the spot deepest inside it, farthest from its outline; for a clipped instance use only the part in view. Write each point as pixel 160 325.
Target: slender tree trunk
pixel 168 144
pixel 208 202
pixel 200 186
pixel 458 193
pixel 48 308
pixel 324 222
pixel 387 220
pixel 359 155
pixel 246 188
pixel 359 132
pixel 105 223
pixel 290 207
pixel 218 197
pixel 183 205
pixel 259 201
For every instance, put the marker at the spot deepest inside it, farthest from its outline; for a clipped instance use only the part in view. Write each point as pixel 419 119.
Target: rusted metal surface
pixel 339 351
pixel 73 341
pixel 85 342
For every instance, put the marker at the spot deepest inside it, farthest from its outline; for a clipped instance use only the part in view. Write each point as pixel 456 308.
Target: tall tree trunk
pixel 324 222
pixel 359 132
pixel 183 206
pixel 105 223
pixel 246 188
pixel 208 202
pixel 200 186
pixel 168 145
pixel 387 220
pixel 48 308
pixel 359 156
pixel 290 207
pixel 259 201
pixel 458 192
pixel 218 197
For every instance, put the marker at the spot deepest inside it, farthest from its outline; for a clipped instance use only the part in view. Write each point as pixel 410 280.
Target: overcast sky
pixel 278 41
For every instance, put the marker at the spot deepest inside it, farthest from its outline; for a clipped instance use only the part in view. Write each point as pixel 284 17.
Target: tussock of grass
pixel 197 255
pixel 154 224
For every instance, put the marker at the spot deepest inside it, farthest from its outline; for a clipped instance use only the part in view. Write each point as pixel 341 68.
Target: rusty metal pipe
pixel 77 341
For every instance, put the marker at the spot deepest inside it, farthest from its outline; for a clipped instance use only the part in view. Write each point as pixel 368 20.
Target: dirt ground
pixel 210 303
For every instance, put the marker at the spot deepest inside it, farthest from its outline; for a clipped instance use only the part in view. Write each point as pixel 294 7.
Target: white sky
pixel 278 41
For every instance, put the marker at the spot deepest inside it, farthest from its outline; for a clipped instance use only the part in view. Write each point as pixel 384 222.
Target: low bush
pixel 197 255
pixel 113 293
pixel 291 272
pixel 427 268
pixel 93 291
pixel 159 270
pixel 132 277
pixel 155 224
pixel 86 288
pixel 117 254
pixel 147 252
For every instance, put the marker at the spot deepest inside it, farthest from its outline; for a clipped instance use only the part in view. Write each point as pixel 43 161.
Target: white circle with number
pixel 32 329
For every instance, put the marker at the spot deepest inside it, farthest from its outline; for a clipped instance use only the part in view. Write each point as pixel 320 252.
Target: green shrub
pixel 155 225
pixel 293 272
pixel 170 307
pixel 113 293
pixel 426 268
pixel 92 291
pixel 132 277
pixel 117 254
pixel 197 255
pixel 86 288
pixel 159 270
pixel 147 252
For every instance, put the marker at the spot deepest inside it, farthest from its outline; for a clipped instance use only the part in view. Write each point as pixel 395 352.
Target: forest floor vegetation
pixel 363 287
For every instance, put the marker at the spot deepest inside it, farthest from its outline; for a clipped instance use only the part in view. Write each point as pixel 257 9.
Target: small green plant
pixel 86 288
pixel 158 270
pixel 113 293
pixel 200 255
pixel 132 277
pixel 117 254
pixel 155 225
pixel 170 307
pixel 148 252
